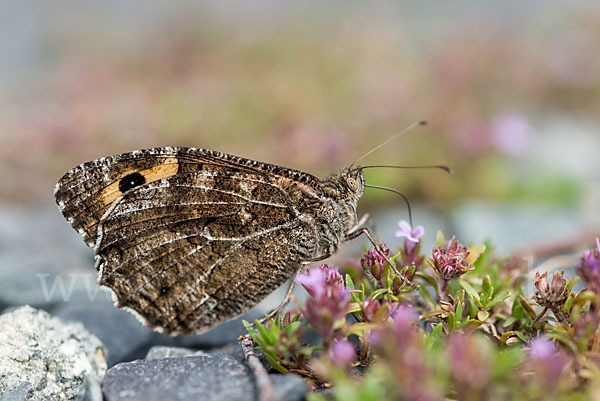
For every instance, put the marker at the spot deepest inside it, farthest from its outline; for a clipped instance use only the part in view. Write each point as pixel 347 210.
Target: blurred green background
pixel 510 89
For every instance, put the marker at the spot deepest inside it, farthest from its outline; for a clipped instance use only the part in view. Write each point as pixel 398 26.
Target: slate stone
pixel 289 387
pixel 18 394
pixel 159 351
pixel 206 377
pixel 55 357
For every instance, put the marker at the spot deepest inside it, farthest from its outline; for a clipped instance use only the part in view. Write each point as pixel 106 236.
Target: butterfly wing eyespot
pixel 131 181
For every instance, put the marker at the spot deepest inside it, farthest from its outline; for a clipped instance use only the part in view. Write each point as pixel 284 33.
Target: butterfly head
pixel 351 183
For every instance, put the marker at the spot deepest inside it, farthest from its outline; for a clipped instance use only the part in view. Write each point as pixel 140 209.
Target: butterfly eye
pixel 352 183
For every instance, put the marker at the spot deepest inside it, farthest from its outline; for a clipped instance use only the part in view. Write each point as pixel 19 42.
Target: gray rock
pixel 124 337
pixel 90 390
pixel 18 394
pixel 206 377
pixel 289 387
pixel 53 356
pixel 160 351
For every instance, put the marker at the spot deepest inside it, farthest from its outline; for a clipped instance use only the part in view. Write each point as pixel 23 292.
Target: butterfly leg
pixel 365 231
pixel 287 298
pixel 360 223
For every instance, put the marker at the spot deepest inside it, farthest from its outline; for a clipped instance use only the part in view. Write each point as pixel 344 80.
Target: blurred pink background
pixel 511 91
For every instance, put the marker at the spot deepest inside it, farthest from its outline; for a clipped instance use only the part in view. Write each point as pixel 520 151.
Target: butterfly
pixel 187 238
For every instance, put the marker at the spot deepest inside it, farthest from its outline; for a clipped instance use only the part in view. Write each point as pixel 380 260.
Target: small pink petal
pixel 405 226
pixel 400 233
pixel 419 231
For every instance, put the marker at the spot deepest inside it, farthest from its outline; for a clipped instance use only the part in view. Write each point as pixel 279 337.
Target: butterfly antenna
pixel 405 130
pixel 410 219
pixel 439 167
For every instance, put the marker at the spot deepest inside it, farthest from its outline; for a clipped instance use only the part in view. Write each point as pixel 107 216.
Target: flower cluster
pixel 479 337
pixel 470 364
pixel 589 267
pixel 553 295
pixel 451 261
pixel 343 353
pixel 546 361
pixel 410 366
pixel 374 311
pixel 374 260
pixel 328 302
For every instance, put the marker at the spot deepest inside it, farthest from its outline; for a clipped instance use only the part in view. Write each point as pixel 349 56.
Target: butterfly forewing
pixel 189 237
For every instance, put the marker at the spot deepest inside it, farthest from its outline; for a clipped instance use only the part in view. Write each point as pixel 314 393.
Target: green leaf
pixel 275 363
pixel 583 297
pixel 254 335
pixel 426 296
pixel 571 284
pixel 497 299
pixel 451 321
pixel 506 336
pixel 361 294
pixel 432 282
pixel 292 327
pixel 432 314
pixel 275 330
pixel 440 240
pixel 435 339
pixel 569 303
pixel 510 321
pixel 354 307
pixel 471 324
pixel 386 274
pixel 474 253
pixel 528 309
pixel 459 310
pixel 521 336
pixel 565 340
pixel 265 334
pixel 471 307
pixel 471 291
pixel 484 259
pixel 506 362
pixel 487 289
pixel 382 313
pixel 378 293
pixel 517 310
pixel 359 328
pixel 349 282
pixel 482 315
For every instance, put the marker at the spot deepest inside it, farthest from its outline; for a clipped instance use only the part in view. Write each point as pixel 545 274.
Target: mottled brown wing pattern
pixel 200 237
